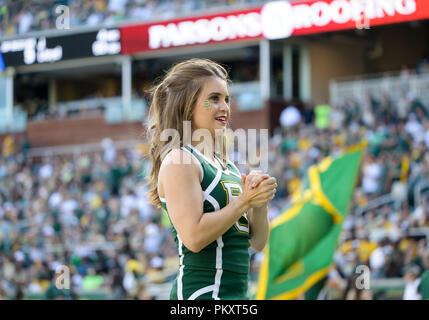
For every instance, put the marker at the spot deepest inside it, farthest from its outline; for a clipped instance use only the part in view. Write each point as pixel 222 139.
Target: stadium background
pixel 73 102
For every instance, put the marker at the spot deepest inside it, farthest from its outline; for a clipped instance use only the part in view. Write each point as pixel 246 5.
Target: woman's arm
pixel 258 216
pixel 259 227
pixel 180 185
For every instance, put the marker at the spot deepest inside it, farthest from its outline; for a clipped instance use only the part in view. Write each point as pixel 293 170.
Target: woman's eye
pixel 227 100
pixel 215 98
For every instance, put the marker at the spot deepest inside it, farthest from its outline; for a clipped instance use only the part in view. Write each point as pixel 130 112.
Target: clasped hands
pixel 258 188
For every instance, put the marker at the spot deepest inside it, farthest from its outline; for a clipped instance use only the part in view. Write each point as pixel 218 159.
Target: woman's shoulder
pixel 180 160
pixel 178 166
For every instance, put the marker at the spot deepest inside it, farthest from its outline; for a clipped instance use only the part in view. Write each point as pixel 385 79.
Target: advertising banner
pixel 274 20
pixel 34 50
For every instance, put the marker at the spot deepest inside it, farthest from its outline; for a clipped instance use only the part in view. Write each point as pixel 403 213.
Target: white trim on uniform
pixel 210 188
pixel 201 291
pixel 213 202
pixel 227 171
pixel 162 199
pixel 216 206
pixel 182 266
pixel 219 269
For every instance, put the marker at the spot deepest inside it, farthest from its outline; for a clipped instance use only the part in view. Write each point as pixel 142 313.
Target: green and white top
pixel 221 269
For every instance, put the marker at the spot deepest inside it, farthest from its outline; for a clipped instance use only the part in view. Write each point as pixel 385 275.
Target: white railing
pixel 111 107
pixel 247 95
pixel 90 103
pixel 356 89
pixel 18 124
pixel 420 189
pixel 388 199
pixel 79 148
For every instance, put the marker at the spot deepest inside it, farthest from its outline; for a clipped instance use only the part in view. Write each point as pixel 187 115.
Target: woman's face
pixel 212 109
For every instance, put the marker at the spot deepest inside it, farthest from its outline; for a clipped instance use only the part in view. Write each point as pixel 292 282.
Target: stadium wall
pixel 79 131
pixel 399 48
pixel 332 60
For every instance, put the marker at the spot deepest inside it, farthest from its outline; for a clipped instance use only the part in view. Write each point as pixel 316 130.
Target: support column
pixel 287 72
pixel 265 69
pixel 304 74
pixel 126 75
pixel 52 94
pixel 10 74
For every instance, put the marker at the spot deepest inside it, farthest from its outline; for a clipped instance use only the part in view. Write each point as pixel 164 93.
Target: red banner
pixel 274 20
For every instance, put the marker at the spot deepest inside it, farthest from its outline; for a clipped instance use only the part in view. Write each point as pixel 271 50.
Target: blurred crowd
pixel 388 236
pixel 86 214
pixel 22 16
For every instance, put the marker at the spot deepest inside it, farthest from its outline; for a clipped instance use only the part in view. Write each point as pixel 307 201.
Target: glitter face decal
pixel 207 104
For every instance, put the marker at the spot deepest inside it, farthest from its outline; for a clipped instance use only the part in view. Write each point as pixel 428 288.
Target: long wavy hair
pixel 173 101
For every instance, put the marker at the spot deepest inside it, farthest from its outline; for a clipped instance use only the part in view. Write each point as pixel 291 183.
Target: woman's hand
pixel 257 196
pixel 255 177
pixel 258 189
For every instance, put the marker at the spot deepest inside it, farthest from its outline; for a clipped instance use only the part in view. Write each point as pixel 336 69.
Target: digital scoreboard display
pixel 36 50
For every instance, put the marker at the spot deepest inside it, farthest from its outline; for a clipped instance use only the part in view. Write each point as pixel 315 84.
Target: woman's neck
pixel 205 148
pixel 209 151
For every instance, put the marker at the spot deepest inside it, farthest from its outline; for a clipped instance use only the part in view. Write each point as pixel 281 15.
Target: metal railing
pixel 395 87
pixel 420 189
pixel 79 148
pixel 387 199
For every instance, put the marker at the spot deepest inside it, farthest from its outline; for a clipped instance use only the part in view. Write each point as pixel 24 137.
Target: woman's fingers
pixel 261 187
pixel 270 181
pixel 266 195
pixel 257 179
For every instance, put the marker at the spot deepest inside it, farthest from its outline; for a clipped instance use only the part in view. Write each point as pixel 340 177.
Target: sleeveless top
pixel 221 269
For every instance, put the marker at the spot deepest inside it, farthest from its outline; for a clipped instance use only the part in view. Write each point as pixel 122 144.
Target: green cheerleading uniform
pixel 221 269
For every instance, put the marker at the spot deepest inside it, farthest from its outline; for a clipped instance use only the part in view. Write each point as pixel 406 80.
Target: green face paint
pixel 207 104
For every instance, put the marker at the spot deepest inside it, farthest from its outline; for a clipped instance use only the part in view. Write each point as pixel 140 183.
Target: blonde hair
pixel 173 101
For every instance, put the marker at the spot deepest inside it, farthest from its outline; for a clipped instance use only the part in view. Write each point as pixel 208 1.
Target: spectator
pixel 353 293
pixel 53 292
pixel 379 258
pixel 371 175
pixel 423 288
pixel 93 205
pixel 290 117
pixel 412 283
pixel 24 16
pixel 322 113
pixel 118 289
pixel 8 147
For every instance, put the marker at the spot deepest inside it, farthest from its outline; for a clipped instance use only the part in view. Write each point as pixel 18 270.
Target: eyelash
pixel 216 99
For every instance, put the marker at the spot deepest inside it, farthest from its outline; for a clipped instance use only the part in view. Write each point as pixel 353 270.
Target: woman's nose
pixel 223 106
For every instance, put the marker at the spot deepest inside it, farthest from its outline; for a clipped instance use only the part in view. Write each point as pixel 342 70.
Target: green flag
pixel 304 238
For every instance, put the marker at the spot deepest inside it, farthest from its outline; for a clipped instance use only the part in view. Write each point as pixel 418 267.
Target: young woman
pixel 216 213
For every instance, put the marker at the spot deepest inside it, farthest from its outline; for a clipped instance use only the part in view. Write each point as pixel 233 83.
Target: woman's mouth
pixel 221 119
